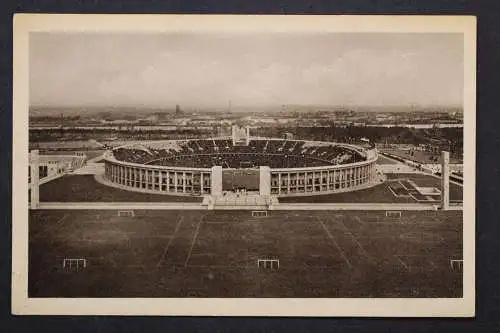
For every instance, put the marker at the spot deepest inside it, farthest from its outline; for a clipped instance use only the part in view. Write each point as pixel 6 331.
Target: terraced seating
pixel 205 153
pixel 132 155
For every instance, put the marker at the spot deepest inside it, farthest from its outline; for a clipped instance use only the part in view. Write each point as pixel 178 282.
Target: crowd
pixel 273 153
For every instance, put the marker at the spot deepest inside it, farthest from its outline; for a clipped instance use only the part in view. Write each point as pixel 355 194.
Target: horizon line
pixel 145 107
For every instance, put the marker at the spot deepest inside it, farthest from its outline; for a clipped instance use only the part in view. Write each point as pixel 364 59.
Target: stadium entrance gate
pixel 241 179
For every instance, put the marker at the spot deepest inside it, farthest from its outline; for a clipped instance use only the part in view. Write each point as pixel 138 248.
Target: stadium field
pixel 89 153
pixel 420 156
pixel 80 188
pixel 382 193
pixel 66 145
pixel 215 254
pixel 456 191
pixel 377 194
pixel 385 160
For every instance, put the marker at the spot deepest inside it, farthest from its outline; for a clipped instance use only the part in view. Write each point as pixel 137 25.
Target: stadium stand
pixel 207 153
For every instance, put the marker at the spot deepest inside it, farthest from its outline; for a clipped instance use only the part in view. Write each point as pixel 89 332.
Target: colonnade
pixel 188 181
pixel 331 180
pixel 281 182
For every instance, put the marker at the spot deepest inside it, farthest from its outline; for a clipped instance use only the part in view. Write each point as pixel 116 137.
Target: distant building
pixel 381 117
pixel 181 121
pixel 51 166
pixel 152 118
pixel 178 110
pixel 118 122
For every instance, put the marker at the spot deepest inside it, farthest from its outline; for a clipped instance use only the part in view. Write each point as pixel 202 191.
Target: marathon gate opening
pixel 235 179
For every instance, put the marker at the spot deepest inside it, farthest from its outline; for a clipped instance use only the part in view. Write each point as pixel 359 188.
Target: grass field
pixel 381 193
pixel 420 156
pixel 215 253
pixel 384 160
pixel 456 191
pixel 93 153
pixel 89 153
pixel 77 188
pixel 377 194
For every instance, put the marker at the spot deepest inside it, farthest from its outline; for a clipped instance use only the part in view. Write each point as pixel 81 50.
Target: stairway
pixel 239 201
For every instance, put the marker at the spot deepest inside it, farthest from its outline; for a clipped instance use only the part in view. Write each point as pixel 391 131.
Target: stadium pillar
pixel 445 180
pixel 216 180
pixel 247 135
pixel 35 179
pixel 265 181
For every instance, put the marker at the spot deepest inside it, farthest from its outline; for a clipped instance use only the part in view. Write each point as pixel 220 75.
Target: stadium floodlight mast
pixel 445 180
pixel 35 179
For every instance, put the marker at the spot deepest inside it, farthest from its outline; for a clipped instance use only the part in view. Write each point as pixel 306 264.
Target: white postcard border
pixel 387 307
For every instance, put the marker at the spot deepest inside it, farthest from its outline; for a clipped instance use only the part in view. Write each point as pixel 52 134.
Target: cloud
pixel 158 70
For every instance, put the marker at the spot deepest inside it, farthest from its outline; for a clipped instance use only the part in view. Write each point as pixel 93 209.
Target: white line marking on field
pixel 356 241
pixel 195 236
pixel 393 193
pixel 170 241
pixel 61 220
pixel 335 243
pixel 358 219
pixel 403 263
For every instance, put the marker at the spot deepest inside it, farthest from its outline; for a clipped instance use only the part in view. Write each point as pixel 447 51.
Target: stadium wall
pixel 323 180
pixel 158 179
pixel 284 182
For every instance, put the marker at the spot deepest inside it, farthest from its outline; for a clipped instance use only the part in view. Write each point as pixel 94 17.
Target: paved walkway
pixel 90 169
pixel 198 206
pixel 96 158
pixel 388 168
pixel 355 206
pixel 122 205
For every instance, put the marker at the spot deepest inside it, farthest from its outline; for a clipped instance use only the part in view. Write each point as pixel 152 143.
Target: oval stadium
pixel 217 166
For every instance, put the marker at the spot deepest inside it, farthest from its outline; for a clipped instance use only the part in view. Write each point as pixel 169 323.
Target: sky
pixel 250 69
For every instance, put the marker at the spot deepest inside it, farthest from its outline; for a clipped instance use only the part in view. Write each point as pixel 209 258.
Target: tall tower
pixel 240 135
pixel 445 180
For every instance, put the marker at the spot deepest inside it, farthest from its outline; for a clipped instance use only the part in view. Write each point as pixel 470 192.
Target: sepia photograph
pixel 244 165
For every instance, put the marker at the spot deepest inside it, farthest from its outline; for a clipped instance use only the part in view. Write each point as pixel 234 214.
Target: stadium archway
pixel 241 179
